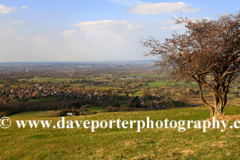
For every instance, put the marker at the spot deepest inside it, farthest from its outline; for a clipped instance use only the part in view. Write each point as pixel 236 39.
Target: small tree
pixel 207 53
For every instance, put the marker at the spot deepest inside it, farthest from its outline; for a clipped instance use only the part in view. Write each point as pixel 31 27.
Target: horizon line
pixel 72 61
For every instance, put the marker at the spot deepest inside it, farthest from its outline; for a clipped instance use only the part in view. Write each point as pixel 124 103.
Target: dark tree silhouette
pixel 208 50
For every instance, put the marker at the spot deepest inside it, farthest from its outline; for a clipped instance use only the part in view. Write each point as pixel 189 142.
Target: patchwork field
pixel 55 80
pixel 121 143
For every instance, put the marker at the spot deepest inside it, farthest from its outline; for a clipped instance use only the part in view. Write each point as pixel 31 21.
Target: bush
pixel 116 104
pixel 60 113
pixel 122 108
pixel 111 109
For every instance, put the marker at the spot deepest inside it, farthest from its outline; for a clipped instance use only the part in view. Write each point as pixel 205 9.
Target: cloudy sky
pixel 93 30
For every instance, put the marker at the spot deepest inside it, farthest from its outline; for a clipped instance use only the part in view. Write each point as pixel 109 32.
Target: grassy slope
pixel 121 143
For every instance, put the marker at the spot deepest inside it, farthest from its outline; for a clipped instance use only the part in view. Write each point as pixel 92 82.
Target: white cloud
pixel 97 40
pixel 91 23
pixel 68 32
pixel 174 27
pixel 19 22
pixel 207 18
pixel 108 25
pixel 41 39
pixel 223 15
pixel 112 39
pixel 9 30
pixel 108 28
pixel 107 40
pixel 171 25
pixel 106 31
pixel 195 19
pixel 164 8
pixel 24 7
pixel 5 10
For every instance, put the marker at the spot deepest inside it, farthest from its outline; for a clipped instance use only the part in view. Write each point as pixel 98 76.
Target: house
pixel 70 114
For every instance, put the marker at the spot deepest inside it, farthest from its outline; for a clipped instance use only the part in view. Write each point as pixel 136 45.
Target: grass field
pixel 164 83
pixel 134 83
pixel 56 80
pixel 137 93
pixel 149 75
pixel 95 108
pixel 121 143
pixel 160 84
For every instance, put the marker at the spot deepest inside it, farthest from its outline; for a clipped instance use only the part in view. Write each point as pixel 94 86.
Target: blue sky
pixel 93 30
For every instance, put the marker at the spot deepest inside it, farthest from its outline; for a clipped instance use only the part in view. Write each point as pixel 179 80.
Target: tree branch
pixel 203 100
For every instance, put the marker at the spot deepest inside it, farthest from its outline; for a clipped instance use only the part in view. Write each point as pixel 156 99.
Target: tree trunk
pixel 212 112
pixel 218 107
pixel 218 110
pixel 217 101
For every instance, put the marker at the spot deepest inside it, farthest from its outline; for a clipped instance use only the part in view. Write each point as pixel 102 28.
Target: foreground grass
pixel 121 143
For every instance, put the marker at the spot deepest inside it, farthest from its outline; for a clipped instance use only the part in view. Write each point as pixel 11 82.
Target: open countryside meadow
pixel 122 143
pixel 119 80
pixel 118 96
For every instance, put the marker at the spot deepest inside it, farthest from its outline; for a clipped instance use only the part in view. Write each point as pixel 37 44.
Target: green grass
pixel 65 79
pixel 134 83
pixel 74 86
pixel 167 83
pixel 149 75
pixel 121 143
pixel 55 80
pixel 39 79
pixel 159 84
pixel 137 93
pixel 95 108
pixel 21 85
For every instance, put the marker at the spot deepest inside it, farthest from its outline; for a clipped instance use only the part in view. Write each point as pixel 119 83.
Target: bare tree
pixel 208 49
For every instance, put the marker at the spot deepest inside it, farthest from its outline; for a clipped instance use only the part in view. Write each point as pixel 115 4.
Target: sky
pixel 94 30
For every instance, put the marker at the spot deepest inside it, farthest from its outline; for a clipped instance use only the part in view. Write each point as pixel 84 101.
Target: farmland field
pixel 41 79
pixel 138 93
pixel 120 79
pixel 168 83
pixel 109 91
